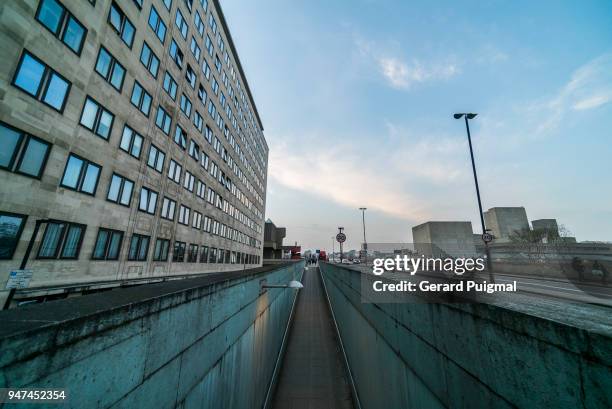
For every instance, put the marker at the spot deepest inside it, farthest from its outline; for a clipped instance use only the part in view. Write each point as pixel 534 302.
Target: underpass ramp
pixel 313 374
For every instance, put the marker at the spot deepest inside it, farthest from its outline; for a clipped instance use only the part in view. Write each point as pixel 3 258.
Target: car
pixel 345 261
pixel 356 261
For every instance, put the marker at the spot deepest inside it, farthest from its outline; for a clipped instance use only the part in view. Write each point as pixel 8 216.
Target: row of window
pixel 63 240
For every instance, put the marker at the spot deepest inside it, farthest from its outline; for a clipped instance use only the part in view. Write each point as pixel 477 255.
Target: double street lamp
pixel 468 116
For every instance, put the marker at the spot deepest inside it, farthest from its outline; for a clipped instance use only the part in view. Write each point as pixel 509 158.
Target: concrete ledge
pixel 471 355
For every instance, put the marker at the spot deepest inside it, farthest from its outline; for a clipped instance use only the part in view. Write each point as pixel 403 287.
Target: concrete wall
pixel 209 342
pixel 469 355
pixel 453 238
pixel 503 221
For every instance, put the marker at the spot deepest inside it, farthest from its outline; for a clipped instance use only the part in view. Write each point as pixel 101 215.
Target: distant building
pixel 273 240
pixel 454 239
pixel 503 221
pixel 546 224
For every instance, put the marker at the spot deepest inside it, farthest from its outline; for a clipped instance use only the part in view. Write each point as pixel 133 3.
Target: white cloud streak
pixel 402 75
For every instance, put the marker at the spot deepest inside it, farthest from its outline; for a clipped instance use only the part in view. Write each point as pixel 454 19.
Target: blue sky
pixel 357 99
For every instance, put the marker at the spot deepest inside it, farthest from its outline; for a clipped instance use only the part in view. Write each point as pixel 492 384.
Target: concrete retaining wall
pixel 468 355
pixel 209 342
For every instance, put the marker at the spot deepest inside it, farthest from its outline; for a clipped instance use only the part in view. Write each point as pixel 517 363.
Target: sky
pixel 356 99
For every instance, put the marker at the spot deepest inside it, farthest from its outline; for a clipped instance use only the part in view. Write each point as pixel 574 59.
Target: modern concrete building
pixel 130 135
pixel 503 221
pixel 442 238
pixel 273 241
pixel 546 224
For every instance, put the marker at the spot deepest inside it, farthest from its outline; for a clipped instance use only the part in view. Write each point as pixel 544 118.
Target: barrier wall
pixel 472 355
pixel 208 342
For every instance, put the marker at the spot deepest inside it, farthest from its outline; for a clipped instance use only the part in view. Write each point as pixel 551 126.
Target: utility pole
pixel 365 243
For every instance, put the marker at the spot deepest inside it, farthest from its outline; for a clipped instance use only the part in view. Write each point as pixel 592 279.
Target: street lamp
pixel 468 116
pixel 333 260
pixel 365 243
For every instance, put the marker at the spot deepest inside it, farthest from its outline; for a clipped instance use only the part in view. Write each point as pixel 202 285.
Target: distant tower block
pixel 453 239
pixel 546 224
pixel 503 221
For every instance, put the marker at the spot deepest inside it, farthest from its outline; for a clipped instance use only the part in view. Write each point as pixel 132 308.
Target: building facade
pixel 130 137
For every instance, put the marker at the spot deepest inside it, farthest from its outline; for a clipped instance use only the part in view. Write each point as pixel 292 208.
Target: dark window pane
pixel 117 77
pixel 128 33
pixel 10 227
pixel 133 248
pixel 50 241
pixel 113 190
pixel 90 179
pixel 100 246
pixel 30 74
pixel 114 246
pixel 144 247
pixel 33 157
pixel 73 170
pixel 72 241
pixel 73 36
pixel 9 140
pixel 103 63
pixel 56 92
pixel 50 14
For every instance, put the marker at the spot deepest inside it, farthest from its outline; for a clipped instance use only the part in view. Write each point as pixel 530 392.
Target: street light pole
pixel 333 249
pixel 365 243
pixel 467 116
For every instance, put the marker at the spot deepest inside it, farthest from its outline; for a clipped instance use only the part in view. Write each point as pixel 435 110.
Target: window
pixel 149 59
pixel 81 175
pixel 41 82
pixel 138 3
pixel 189 4
pixel 202 95
pixel 170 85
pixel 199 24
pixel 190 76
pixel 192 255
pixel 212 110
pixel 185 105
pixel 122 25
pixel 148 200
pixel 96 118
pixel 11 227
pixel 194 150
pixel 167 3
pixel 61 240
pixel 184 215
pixel 201 189
pixel 188 181
pixel 212 23
pixel 163 120
pixel 215 86
pixel 131 142
pixel 139 247
pixel 195 49
pixel 156 158
pixel 204 255
pixel 180 137
pixel 174 171
pixel 120 190
pixel 204 160
pixel 22 153
pixel 210 47
pixel 110 69
pixel 181 24
pixel 108 245
pixel 213 255
pixel 206 69
pixel 220 256
pixel 168 207
pixel 141 99
pixel 207 222
pixel 161 250
pixel 176 54
pixel 204 4
pixel 179 251
pixel 197 220
pixel 57 19
pixel 209 133
pixel 217 63
pixel 157 24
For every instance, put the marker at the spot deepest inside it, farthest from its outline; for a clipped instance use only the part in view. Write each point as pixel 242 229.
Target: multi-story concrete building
pixel 129 133
pixel 504 221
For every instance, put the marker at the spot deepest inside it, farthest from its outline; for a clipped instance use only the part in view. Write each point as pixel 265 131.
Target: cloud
pixel 589 87
pixel 401 75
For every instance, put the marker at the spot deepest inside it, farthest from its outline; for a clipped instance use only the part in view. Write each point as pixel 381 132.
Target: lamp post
pixel 365 243
pixel 468 116
pixel 333 249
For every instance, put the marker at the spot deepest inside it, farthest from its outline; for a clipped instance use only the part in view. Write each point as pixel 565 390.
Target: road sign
pixel 487 237
pixel 340 237
pixel 19 279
